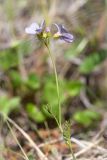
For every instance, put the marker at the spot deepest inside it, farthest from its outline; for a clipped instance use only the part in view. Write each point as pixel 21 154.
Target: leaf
pixel 10 57
pixel 33 82
pixel 86 117
pixel 92 61
pixel 31 157
pixel 16 78
pixel 73 88
pixel 8 105
pixel 50 112
pixel 34 113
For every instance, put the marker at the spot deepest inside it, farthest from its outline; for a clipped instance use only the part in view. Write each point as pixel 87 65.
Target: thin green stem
pixel 73 156
pixel 57 85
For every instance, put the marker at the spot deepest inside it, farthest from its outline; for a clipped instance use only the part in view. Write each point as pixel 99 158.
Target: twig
pixel 51 142
pixel 39 152
pixel 25 156
pixel 78 142
pixel 98 147
pixel 74 140
pixel 86 149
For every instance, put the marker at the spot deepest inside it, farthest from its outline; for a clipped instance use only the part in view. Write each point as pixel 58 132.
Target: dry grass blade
pixel 13 134
pixel 39 152
pixel 84 150
pixel 76 6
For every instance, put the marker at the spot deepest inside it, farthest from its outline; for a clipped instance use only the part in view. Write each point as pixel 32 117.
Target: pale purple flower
pixel 63 34
pixel 47 30
pixel 34 28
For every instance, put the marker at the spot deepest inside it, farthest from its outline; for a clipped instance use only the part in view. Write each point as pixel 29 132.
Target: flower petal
pixel 62 29
pixel 43 24
pixel 41 28
pixel 63 34
pixel 67 37
pixel 58 27
pixel 30 31
pixel 32 28
pixel 38 30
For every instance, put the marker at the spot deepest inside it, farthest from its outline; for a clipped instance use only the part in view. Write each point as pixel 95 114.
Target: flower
pixel 63 34
pixel 43 32
pixel 34 28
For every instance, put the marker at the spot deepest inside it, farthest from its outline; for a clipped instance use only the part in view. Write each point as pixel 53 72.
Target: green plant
pixel 10 57
pixel 43 34
pixel 7 105
pixel 92 61
pixel 86 117
pixel 73 87
pixel 34 113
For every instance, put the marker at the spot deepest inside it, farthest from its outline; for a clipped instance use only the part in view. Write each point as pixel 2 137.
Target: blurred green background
pixel 27 83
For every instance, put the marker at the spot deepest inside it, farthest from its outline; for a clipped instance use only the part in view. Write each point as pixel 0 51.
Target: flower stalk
pixel 57 86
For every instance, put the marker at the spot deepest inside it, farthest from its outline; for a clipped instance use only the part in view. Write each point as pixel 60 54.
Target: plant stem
pixel 73 156
pixel 57 86
pixel 58 94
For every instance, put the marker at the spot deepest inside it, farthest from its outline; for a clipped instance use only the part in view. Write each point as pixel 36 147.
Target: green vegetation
pixel 50 84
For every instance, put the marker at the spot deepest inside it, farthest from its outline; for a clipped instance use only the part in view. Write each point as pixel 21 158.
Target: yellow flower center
pixel 57 35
